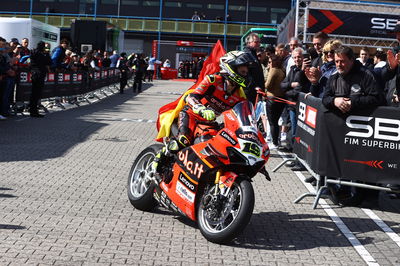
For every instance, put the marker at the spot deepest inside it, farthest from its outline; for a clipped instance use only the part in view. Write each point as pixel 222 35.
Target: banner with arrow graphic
pixel 351 23
pixel 362 146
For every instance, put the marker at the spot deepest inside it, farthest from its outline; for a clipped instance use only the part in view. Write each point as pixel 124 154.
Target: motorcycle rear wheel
pixel 140 184
pixel 234 216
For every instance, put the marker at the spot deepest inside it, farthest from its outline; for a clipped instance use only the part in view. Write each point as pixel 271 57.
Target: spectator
pixel 195 16
pixel 255 69
pixel 319 40
pixel 269 50
pixel 47 47
pixel 114 59
pixel 294 83
pixel 40 62
pixel 352 87
pixel 200 63
pixel 203 16
pixel 228 17
pixel 24 49
pixel 58 55
pixel 379 66
pixel 167 63
pixel 273 87
pixel 151 68
pixel 9 80
pixel 140 67
pixel 365 59
pixel 106 60
pixel 122 65
pixel 75 64
pixel 319 77
pixel 4 68
pixel 293 44
pixel 283 51
pixel 263 59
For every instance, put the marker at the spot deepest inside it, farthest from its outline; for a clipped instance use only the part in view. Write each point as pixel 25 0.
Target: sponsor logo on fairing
pixel 193 168
pixel 228 137
pixel 186 182
pixel 184 193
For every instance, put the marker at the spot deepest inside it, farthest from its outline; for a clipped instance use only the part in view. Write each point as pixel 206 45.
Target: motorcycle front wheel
pixel 140 183
pixel 222 218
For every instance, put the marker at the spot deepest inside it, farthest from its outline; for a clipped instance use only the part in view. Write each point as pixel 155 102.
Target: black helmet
pixel 230 62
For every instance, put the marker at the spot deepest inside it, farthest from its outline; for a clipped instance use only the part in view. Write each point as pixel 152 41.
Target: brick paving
pixel 63 200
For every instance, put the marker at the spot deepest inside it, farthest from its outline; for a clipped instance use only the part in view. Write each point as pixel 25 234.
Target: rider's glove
pixel 208 114
pixel 204 112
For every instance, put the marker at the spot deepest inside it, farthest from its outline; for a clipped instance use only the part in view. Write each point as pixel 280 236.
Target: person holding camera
pixel 319 76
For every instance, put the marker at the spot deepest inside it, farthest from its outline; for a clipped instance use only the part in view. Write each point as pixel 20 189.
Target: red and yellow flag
pixel 170 111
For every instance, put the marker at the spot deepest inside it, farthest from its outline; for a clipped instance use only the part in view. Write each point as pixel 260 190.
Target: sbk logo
pixel 376 127
pixel 383 23
pixel 307 114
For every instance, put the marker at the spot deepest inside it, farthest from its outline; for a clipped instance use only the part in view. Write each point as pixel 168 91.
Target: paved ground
pixel 63 201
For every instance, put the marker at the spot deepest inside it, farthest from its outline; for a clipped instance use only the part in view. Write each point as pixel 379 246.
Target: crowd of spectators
pixel 15 55
pixel 327 69
pixel 190 68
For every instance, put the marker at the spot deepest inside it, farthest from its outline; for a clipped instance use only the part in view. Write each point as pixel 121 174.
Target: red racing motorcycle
pixel 210 181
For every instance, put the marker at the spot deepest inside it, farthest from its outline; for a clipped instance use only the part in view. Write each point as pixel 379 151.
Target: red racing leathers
pixel 211 93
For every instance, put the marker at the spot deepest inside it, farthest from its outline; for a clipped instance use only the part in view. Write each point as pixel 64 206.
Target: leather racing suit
pixel 211 93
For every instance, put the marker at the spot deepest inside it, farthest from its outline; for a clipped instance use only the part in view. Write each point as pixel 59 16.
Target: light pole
pixel 159 31
pixel 225 25
pixel 296 25
pixel 95 9
pixel 31 9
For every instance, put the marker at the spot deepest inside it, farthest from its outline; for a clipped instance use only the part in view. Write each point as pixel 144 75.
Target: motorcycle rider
pixel 214 95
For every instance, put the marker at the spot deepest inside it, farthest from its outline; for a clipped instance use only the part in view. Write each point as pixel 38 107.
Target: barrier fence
pixel 361 146
pixel 67 83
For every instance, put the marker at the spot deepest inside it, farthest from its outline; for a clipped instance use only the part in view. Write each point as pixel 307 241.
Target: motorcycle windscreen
pixel 244 112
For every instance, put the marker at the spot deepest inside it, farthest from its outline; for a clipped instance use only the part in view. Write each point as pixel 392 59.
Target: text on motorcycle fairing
pixel 193 168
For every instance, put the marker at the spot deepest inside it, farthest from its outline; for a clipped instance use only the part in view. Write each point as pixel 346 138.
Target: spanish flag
pixel 168 112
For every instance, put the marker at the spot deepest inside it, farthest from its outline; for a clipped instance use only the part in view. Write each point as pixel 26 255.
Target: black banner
pixel 351 23
pixel 363 146
pixel 66 83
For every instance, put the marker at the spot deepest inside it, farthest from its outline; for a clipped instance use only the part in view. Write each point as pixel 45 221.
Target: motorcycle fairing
pixel 187 170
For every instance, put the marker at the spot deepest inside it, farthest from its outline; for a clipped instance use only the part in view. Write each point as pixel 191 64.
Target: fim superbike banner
pixel 361 146
pixel 351 23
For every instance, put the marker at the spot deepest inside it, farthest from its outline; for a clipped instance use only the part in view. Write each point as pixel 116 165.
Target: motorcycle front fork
pixel 220 187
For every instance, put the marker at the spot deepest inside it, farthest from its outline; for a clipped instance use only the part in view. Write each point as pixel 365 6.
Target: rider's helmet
pixel 229 64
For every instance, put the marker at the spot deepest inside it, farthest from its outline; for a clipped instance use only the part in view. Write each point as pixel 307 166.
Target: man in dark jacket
pixel 255 69
pixel 352 87
pixel 392 69
pixel 294 83
pixel 122 65
pixel 319 40
pixel 40 62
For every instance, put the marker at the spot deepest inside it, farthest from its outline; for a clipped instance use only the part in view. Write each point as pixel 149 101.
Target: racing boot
pixel 161 158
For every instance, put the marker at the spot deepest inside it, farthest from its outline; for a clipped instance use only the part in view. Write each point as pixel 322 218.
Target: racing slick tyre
pixel 222 218
pixel 140 182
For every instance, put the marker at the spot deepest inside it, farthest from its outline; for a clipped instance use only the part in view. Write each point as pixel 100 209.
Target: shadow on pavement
pixel 11 227
pixel 38 139
pixel 284 231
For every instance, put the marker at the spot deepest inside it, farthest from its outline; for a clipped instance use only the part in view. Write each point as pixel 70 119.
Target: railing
pixel 149 24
